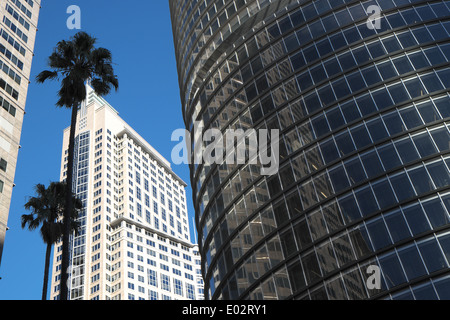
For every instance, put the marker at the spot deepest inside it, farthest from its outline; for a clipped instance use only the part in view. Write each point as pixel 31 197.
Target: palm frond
pixel 83 44
pixel 46 75
pixel 76 61
pixel 47 210
pixel 101 56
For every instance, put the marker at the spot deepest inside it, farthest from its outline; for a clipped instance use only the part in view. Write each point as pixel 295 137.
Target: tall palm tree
pixel 47 209
pixel 75 62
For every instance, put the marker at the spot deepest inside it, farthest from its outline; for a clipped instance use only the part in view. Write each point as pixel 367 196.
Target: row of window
pixel 8 106
pixel 362 135
pixel 367 104
pixel 434 289
pixel 10 72
pixel 364 201
pixel 367 76
pixel 22 7
pixel 369 164
pixel 18 17
pixel 13 42
pixel 340 251
pixel 398 266
pixel 15 29
pixel 12 92
pixel 337 41
pixel 8 54
pixel 79 241
pixel 146 159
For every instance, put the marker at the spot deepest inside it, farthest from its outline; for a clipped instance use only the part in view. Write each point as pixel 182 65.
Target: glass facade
pixel 364 120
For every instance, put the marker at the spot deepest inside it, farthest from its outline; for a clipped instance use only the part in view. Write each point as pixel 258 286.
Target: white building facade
pixel 134 241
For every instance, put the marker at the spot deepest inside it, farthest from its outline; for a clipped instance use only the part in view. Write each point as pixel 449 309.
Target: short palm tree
pixel 47 209
pixel 75 62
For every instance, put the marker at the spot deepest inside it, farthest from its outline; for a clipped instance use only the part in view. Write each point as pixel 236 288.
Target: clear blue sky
pixel 139 35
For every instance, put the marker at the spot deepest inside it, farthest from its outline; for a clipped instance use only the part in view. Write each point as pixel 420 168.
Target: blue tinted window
pixel 397 226
pixel 411 118
pixel 402 187
pixel 389 157
pixel 339 179
pixel 382 99
pixel 368 205
pixel 335 118
pixel 393 123
pixel 424 144
pixel 341 88
pixel 436 213
pixel 412 263
pixel 406 150
pixel 356 81
pixel 439 174
pixel 350 111
pixel 355 171
pixel 361 136
pixel 349 208
pixel 384 193
pixel 392 270
pixel 416 219
pixel 377 129
pixel 418 60
pixel 332 66
pixel 432 255
pixel 372 164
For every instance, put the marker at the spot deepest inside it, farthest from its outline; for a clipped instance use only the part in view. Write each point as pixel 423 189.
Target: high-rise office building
pixel 134 236
pixel 18 32
pixel 359 90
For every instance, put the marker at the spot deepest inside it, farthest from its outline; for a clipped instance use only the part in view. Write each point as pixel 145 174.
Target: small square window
pixel 3 164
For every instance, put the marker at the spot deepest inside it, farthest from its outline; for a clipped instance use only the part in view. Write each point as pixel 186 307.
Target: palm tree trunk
pixel 46 271
pixel 64 294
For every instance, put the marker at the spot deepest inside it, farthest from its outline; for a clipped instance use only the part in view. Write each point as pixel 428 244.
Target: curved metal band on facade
pixel 324 238
pixel 337 76
pixel 236 47
pixel 331 106
pixel 311 209
pixel 307 91
pixel 348 266
pixel 290 188
pixel 227 43
pixel 274 198
pixel 331 164
pixel 331 133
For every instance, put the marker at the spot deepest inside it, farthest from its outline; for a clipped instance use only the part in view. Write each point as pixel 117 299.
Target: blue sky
pixel 139 35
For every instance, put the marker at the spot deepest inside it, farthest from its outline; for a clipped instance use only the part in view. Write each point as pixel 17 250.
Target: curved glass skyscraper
pixel 359 208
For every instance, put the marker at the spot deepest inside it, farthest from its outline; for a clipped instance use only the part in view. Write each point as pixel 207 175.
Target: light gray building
pixel 18 26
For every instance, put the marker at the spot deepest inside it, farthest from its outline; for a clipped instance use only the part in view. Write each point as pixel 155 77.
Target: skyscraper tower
pixel 359 208
pixel 134 237
pixel 18 26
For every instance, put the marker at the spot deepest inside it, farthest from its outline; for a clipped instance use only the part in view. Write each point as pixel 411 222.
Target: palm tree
pixel 76 62
pixel 47 212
